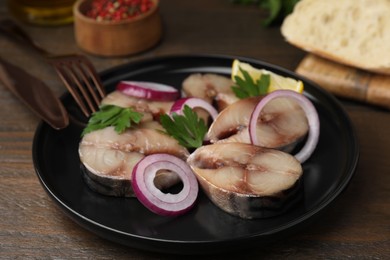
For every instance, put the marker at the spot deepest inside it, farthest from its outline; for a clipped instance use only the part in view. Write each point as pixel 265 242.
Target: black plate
pixel 206 229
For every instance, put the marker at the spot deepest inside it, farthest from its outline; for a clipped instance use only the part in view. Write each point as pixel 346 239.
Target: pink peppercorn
pixel 118 10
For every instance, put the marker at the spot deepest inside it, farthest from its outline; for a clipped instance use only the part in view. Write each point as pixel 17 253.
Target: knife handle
pixel 17 34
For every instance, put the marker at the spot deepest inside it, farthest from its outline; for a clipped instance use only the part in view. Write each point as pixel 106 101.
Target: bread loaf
pixel 352 32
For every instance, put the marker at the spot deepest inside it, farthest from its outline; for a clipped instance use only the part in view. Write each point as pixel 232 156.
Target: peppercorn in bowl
pixel 117 27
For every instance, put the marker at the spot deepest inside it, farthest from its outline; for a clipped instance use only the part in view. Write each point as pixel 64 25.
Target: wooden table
pixel 32 226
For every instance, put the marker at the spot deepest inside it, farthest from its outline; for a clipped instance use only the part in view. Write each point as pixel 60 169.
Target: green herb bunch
pixel 277 9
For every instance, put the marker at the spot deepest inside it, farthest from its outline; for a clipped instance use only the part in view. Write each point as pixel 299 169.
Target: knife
pixel 35 94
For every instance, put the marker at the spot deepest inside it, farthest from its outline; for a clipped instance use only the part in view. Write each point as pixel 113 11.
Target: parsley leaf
pixel 111 115
pixel 188 129
pixel 246 87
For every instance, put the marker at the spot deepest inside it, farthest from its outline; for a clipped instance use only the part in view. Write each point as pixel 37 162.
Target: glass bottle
pixel 42 12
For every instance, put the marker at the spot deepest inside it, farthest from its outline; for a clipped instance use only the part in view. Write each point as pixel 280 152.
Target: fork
pixel 75 70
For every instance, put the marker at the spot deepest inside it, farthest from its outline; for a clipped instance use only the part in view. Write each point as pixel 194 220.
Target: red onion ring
pixel 311 115
pixel 148 90
pixel 178 106
pixel 151 197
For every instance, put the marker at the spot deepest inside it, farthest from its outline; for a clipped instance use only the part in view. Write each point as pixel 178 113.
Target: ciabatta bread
pixel 352 32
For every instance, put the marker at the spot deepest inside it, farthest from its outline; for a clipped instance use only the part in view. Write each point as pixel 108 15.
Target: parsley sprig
pixel 111 115
pixel 245 87
pixel 188 129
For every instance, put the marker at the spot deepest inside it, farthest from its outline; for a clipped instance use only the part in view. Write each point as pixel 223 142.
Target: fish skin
pixel 108 158
pixel 282 123
pixel 211 88
pixel 245 181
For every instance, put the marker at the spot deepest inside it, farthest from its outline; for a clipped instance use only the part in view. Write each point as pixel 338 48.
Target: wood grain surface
pixel 357 226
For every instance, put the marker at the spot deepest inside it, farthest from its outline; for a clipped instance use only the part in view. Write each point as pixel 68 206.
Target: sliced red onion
pixel 178 106
pixel 311 115
pixel 151 197
pixel 148 90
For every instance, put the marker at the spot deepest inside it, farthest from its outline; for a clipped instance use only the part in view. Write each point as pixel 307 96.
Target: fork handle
pixel 16 33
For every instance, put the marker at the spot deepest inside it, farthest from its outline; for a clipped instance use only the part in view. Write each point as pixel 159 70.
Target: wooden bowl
pixel 116 38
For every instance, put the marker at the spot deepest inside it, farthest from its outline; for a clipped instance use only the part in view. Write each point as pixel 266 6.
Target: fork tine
pixel 75 76
pixel 69 82
pixel 65 79
pixel 84 76
pixel 80 77
pixel 94 76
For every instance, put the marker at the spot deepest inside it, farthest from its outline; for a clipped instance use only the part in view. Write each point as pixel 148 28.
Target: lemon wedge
pixel 277 81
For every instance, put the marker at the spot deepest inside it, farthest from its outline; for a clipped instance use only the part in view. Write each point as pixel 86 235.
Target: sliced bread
pixel 352 32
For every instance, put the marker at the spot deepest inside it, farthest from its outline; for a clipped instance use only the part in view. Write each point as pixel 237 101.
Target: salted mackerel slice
pixel 108 158
pixel 247 181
